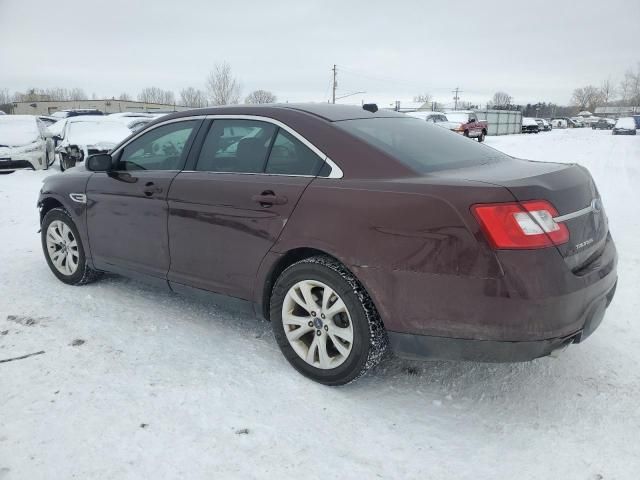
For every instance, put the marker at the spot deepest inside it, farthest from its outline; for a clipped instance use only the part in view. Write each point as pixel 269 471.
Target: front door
pixel 226 214
pixel 127 207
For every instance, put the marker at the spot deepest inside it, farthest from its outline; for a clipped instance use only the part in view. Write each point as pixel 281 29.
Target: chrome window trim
pixel 577 213
pixel 336 171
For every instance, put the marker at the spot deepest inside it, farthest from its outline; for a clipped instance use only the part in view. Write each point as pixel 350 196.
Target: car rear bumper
pixel 625 131
pixel 406 345
pixel 538 304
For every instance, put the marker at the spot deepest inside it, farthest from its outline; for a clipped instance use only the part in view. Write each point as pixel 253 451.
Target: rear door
pixel 127 208
pixel 229 209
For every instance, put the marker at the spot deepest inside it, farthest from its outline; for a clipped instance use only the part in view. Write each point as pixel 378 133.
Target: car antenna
pixel 370 107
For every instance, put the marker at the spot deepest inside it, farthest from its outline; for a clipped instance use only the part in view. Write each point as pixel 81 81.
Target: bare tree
pixel 422 98
pixel 587 97
pixel 125 97
pixel 77 94
pixel 156 95
pixel 260 96
pixel 5 96
pixel 501 99
pixel 607 91
pixel 630 86
pixel 222 86
pixel 192 97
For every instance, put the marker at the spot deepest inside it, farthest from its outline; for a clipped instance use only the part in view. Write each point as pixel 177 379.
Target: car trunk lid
pixel 568 187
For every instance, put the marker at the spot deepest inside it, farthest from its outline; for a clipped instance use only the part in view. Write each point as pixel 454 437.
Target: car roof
pixel 326 111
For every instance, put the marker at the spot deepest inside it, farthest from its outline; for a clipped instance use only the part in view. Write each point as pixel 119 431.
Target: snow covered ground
pixel 164 386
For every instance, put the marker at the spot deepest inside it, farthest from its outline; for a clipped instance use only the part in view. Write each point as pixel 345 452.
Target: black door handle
pixel 268 199
pixel 150 189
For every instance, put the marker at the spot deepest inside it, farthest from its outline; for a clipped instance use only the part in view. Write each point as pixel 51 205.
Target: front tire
pixel 481 137
pixel 63 249
pixel 325 323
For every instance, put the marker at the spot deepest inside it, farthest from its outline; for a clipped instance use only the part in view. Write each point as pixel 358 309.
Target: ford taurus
pixel 352 230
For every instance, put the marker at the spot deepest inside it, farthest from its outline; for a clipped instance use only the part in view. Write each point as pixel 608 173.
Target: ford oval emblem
pixel 596 205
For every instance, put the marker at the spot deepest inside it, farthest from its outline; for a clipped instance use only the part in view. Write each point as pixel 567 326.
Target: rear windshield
pixel 421 146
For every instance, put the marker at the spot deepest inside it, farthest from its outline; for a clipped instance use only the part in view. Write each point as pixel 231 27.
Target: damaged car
pixel 23 144
pixel 82 136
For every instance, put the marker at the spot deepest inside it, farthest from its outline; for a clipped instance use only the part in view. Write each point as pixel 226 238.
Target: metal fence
pixel 501 122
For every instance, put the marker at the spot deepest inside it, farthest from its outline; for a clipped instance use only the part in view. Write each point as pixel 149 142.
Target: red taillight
pixel 521 225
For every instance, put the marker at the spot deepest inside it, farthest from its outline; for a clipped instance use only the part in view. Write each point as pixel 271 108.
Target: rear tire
pixel 325 323
pixel 481 137
pixel 466 133
pixel 63 249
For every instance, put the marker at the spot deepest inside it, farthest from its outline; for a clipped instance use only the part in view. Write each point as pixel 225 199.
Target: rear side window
pixel 239 146
pixel 289 156
pixel 421 146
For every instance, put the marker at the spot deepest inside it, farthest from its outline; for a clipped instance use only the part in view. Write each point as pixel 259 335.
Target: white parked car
pixel 23 144
pixel 86 135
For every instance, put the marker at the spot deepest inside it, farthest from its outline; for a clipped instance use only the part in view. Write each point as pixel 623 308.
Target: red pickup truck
pixel 466 123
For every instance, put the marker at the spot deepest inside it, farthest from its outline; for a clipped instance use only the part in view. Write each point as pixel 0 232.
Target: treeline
pixel 221 88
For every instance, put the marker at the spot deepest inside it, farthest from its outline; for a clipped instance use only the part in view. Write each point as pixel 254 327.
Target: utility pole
pixel 456 97
pixel 335 85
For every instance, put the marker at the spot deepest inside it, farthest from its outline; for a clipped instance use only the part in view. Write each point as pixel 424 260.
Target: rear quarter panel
pixel 387 232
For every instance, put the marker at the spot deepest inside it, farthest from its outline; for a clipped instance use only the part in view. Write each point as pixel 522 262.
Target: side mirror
pixel 101 162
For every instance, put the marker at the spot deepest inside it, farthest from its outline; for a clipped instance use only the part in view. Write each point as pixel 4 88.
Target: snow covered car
pixel 438 118
pixel 625 126
pixel 559 122
pixel 543 124
pixel 350 230
pixel 23 144
pixel 135 121
pixel 82 136
pixel 529 125
pixel 603 124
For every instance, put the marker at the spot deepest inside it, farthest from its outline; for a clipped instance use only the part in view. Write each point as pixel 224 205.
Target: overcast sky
pixel 393 49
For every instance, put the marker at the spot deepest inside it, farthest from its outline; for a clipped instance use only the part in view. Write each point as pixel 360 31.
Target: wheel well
pixel 49 204
pixel 288 259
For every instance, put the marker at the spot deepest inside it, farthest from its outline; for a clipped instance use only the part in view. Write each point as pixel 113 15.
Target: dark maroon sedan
pixel 350 230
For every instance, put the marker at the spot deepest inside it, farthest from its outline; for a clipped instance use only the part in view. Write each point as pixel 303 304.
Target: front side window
pixel 236 146
pixel 159 149
pixel 289 156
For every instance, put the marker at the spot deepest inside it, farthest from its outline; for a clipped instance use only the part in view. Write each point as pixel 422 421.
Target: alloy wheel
pixel 317 324
pixel 62 247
